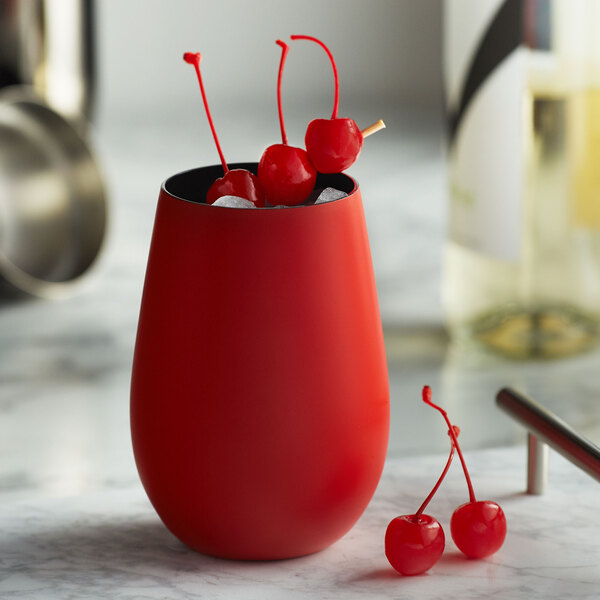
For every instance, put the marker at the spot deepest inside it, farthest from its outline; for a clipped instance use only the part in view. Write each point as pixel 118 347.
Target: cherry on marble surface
pixel 478 528
pixel 414 543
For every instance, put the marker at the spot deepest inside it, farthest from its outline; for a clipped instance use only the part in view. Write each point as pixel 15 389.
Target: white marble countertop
pixel 74 521
pixel 110 544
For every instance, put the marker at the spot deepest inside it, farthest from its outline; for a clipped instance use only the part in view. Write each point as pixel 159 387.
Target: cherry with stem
pixel 478 527
pixel 414 543
pixel 236 182
pixel 334 144
pixel 285 172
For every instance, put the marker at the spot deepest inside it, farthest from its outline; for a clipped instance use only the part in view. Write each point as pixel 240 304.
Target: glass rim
pixel 341 181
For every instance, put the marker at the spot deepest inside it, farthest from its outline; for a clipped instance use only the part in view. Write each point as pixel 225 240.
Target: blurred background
pixel 65 362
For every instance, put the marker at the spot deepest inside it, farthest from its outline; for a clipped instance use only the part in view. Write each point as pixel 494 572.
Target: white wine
pixel 522 265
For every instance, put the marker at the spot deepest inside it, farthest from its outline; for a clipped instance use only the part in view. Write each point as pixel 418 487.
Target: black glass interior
pixel 193 185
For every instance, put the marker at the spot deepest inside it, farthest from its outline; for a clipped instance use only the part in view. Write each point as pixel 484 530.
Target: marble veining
pixel 111 544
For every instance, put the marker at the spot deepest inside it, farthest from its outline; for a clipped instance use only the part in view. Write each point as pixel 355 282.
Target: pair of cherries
pixel 414 543
pixel 287 174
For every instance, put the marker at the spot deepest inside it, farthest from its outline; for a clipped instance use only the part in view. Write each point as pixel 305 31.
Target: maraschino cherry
pixel 414 543
pixel 478 527
pixel 285 173
pixel 334 144
pixel 236 182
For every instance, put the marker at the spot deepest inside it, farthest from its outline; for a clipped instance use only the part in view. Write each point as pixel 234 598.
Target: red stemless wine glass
pixel 260 400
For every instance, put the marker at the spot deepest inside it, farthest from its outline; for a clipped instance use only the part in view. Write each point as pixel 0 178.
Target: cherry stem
pixel 436 486
pixel 194 58
pixel 427 400
pixel 336 99
pixel 284 50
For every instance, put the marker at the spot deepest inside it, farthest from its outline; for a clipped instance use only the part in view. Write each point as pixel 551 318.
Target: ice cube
pixel 234 202
pixel 312 197
pixel 329 195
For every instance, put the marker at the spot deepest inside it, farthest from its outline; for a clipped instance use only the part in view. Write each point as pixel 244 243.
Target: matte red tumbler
pixel 259 400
